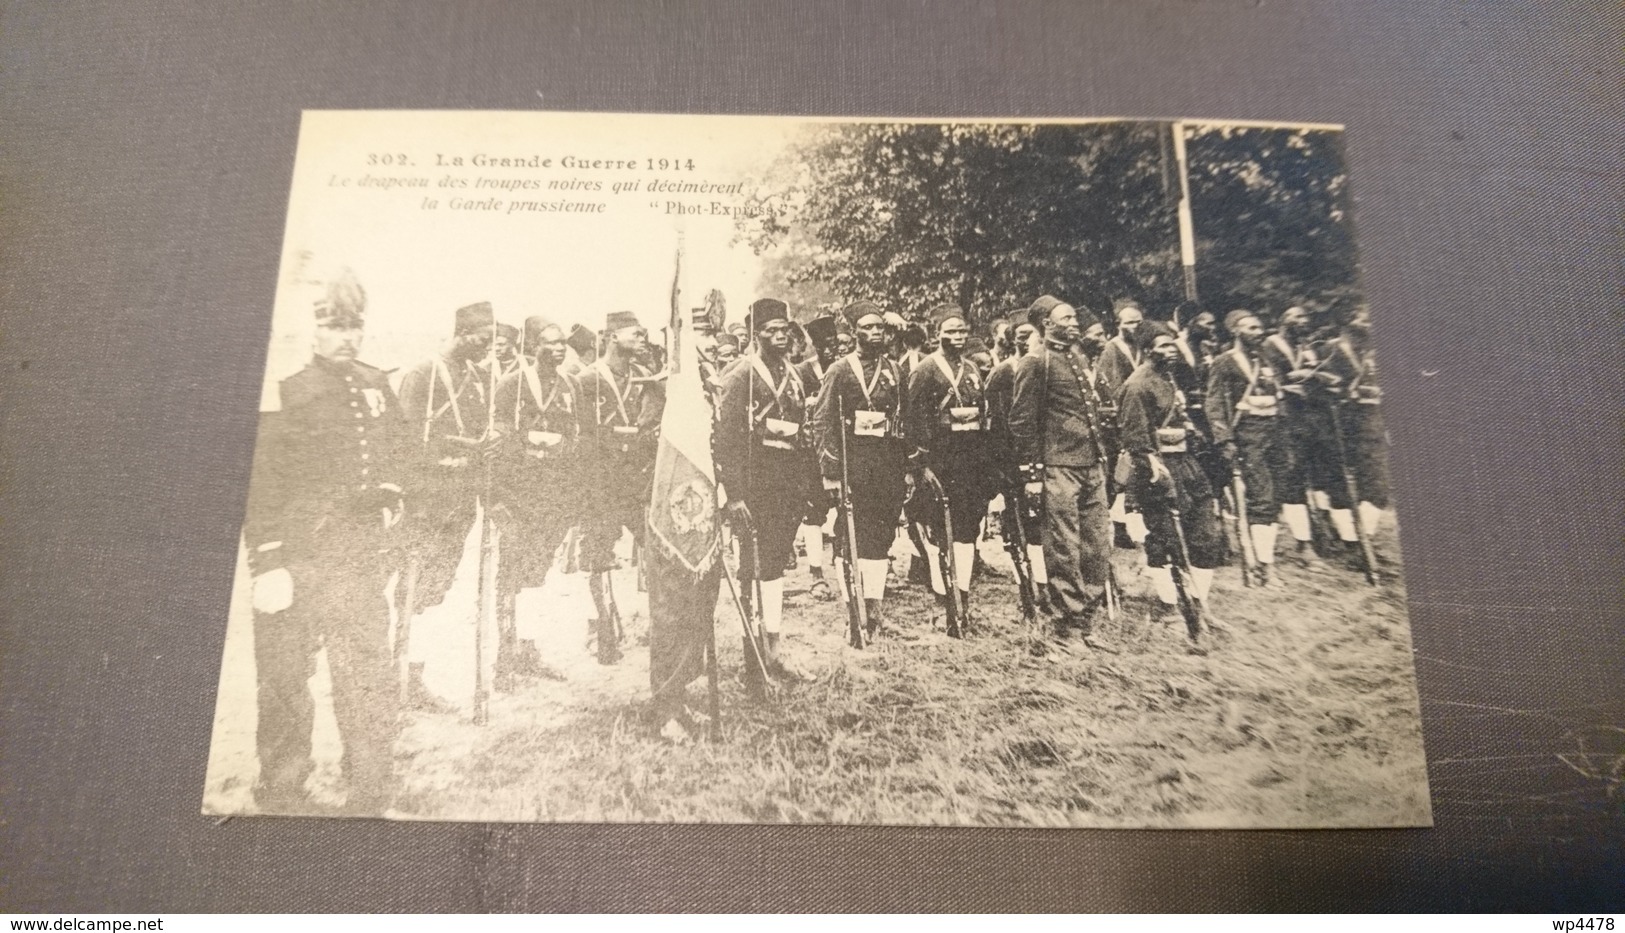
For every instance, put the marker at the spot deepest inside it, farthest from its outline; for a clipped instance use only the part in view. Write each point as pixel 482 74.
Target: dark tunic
pixel 811 372
pixel 1117 363
pixel 953 446
pixel 1243 405
pixel 620 425
pixel 444 400
pixel 1001 387
pixel 538 479
pixel 1152 412
pixel 876 462
pixel 1056 418
pixel 326 463
pixel 1306 406
pixel 1060 438
pixel 758 460
pixel 1365 437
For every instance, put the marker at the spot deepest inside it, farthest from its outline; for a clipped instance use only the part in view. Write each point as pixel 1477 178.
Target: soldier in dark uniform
pixel 505 349
pixel 1158 436
pixel 620 408
pixel 947 417
pixel 1309 390
pixel 1020 339
pixel 1122 355
pixel 821 333
pixel 326 491
pixel 1364 436
pixel 727 351
pixel 584 344
pixel 1198 345
pixel 863 400
pixel 762 459
pixel 444 401
pixel 538 484
pixel 1244 408
pixel 1061 446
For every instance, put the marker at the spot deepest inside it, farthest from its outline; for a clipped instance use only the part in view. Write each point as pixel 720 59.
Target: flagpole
pixel 1187 234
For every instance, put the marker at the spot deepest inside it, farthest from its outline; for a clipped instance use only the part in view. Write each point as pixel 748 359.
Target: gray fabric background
pixel 145 152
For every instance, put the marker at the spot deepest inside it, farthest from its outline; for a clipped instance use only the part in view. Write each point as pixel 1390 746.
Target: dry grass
pixel 1305 714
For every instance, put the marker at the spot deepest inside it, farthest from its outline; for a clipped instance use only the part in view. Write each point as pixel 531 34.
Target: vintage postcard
pixel 986 472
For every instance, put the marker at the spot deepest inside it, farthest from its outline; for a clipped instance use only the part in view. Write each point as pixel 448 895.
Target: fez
pixel 534 325
pixel 1038 311
pixel 617 320
pixel 509 331
pixel 1148 333
pixel 581 339
pixel 728 339
pixel 1086 318
pixel 1234 319
pixel 858 310
pixel 975 345
pixel 821 330
pixel 944 313
pixel 343 302
pixel 474 317
pixel 765 310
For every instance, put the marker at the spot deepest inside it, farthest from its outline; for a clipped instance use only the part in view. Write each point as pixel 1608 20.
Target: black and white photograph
pixel 694 469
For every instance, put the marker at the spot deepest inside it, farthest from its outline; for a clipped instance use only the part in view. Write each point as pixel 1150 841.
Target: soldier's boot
pixel 966 624
pixel 419 697
pixel 1045 609
pixel 777 666
pixel 1211 622
pixel 527 661
pixel 1307 557
pixel 872 608
pixel 1268 579
pixel 1120 537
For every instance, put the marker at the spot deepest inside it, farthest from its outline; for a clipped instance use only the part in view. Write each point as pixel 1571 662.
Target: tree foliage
pixel 1271 211
pixel 989 216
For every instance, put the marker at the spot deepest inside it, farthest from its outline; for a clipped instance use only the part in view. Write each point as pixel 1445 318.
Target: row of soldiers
pixel 547 431
pixel 356 484
pixel 1153 429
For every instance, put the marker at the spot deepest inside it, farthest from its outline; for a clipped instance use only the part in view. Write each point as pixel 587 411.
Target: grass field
pixel 1303 714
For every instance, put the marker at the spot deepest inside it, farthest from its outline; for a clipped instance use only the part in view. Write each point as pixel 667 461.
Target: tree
pixel 989 216
pixel 985 216
pixel 1270 209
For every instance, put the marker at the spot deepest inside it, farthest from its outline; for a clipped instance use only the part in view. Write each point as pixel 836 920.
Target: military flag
pixel 684 553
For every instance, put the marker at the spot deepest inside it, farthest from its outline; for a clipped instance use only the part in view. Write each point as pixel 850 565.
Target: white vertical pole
pixel 1187 235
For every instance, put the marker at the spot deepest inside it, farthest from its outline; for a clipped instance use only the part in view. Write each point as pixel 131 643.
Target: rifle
pixel 851 580
pixel 945 553
pixel 486 616
pixel 755 656
pixel 1181 574
pixel 1109 594
pixel 1368 554
pixel 751 599
pixel 1015 541
pixel 1249 560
